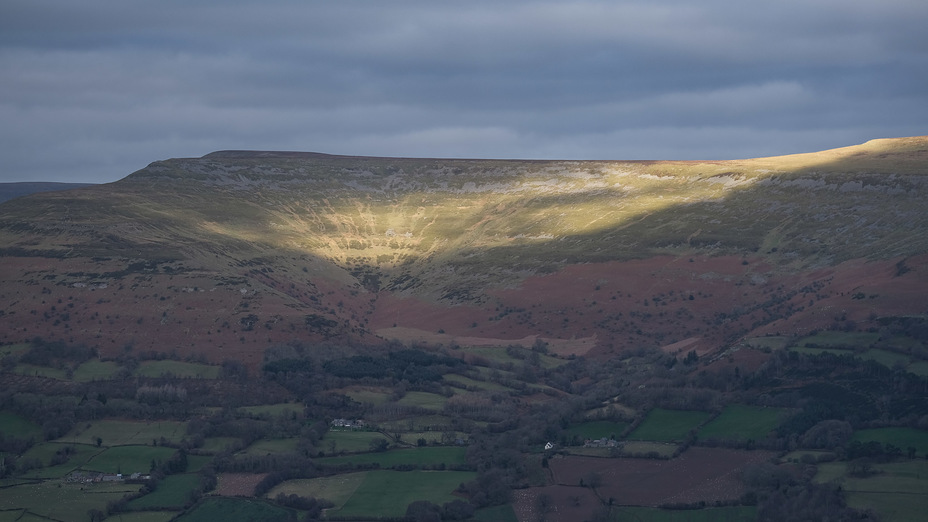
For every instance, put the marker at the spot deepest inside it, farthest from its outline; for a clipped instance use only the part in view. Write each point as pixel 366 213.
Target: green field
pixel 447 455
pixel 46 450
pixel 128 459
pixel 274 410
pixel 172 493
pixel 421 423
pixel 834 339
pixel 271 447
pixel 884 357
pixel 349 441
pixel 337 489
pixel 473 383
pixel 197 462
pixel 143 516
pixel 896 492
pixel 429 401
pixel 119 432
pixel 41 371
pixel 668 425
pixel 818 351
pixel 741 422
pixel 13 425
pixel 178 369
pixel 643 514
pixel 235 510
pixel 902 438
pixel 919 368
pixel 369 396
pixel 598 429
pixel 96 370
pixel 7 349
pixel 213 445
pixel 388 493
pixel 502 513
pixel 61 501
pixel 771 342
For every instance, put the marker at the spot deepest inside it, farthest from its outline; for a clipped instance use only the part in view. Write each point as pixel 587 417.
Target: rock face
pixel 230 253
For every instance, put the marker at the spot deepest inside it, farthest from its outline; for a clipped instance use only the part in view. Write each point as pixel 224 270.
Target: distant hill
pixel 230 253
pixel 9 191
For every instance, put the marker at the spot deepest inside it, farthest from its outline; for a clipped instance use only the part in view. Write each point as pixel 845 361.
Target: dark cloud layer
pixel 92 90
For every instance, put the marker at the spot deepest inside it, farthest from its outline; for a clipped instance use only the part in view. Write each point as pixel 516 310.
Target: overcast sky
pixel 93 90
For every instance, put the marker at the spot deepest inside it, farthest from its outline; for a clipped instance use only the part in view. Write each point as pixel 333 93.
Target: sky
pixel 93 90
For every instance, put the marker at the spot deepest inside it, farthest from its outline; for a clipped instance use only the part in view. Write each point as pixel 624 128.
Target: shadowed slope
pixel 330 236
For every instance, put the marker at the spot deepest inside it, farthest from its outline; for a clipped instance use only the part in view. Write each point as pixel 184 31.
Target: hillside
pixel 225 255
pixel 9 191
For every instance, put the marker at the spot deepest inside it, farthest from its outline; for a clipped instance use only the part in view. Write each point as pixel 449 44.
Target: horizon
pixel 94 92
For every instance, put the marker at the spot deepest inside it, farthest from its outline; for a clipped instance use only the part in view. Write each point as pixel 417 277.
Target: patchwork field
pixel 128 459
pixel 668 425
pixel 420 457
pixel 120 433
pixel 895 491
pixel 13 425
pixel 274 410
pixel 58 501
pixel 707 474
pixel 235 510
pixel 387 493
pixel 270 447
pixel 902 438
pixel 597 430
pixel 178 369
pixel 742 423
pixel 172 493
pixel 336 489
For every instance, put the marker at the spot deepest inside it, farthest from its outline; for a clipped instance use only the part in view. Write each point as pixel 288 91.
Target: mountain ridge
pixel 349 239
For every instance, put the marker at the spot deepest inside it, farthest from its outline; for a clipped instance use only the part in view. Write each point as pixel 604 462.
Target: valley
pixel 353 338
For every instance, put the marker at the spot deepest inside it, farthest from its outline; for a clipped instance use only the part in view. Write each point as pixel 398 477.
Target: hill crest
pixel 249 248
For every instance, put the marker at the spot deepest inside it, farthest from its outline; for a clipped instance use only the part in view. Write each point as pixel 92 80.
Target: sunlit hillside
pixel 339 237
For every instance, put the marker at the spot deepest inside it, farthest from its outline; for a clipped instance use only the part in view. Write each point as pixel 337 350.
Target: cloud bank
pixel 94 90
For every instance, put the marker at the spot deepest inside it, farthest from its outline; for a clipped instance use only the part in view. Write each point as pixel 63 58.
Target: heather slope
pixel 231 252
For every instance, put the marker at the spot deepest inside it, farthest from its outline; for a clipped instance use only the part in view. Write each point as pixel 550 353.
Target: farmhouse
pixel 601 443
pixel 346 423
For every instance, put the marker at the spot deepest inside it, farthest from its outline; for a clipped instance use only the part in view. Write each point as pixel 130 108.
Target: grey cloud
pixel 95 89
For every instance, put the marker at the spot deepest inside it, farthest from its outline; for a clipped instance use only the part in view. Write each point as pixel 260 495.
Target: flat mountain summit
pixel 225 255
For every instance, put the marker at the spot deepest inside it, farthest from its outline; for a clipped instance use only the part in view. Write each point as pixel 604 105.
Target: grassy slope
pixel 404 218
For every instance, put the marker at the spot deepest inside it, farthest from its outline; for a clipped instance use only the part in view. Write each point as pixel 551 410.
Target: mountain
pixel 225 255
